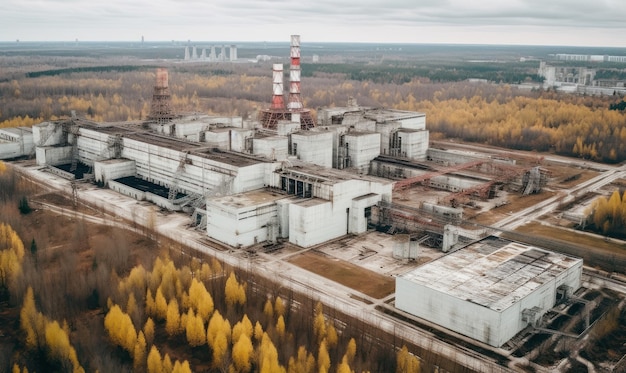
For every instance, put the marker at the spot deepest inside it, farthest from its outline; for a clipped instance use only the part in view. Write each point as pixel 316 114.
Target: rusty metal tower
pixel 160 110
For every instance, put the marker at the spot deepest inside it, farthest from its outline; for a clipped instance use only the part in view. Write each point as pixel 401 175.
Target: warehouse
pixel 490 290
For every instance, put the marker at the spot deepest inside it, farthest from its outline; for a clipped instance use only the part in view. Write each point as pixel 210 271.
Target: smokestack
pixel 295 101
pixel 277 99
pixel 233 53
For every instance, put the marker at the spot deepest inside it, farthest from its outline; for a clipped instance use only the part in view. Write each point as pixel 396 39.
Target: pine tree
pixel 172 321
pixel 242 354
pixel 154 363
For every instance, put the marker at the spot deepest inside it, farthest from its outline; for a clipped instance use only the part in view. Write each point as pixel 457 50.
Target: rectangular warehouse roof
pixel 493 272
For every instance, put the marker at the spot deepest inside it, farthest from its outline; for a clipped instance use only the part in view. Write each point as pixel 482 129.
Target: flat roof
pixel 249 199
pixel 162 140
pixel 17 130
pixel 494 273
pixel 385 115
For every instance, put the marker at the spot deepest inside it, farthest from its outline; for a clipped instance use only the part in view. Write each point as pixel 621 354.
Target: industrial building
pixel 285 178
pixel 490 290
pixel 16 142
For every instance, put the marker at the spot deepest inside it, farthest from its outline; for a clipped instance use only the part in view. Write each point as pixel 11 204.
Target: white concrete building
pixel 16 142
pixel 490 290
pixel 403 133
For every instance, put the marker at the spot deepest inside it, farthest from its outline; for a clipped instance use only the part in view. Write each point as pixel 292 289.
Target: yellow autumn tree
pixel 195 332
pixel 218 334
pixel 234 291
pixel 200 299
pixel 280 326
pixel 139 354
pixel 268 309
pixel 344 366
pixel 268 356
pixel 60 348
pixel 331 335
pixel 242 327
pixel 28 320
pixel 407 362
pixel 120 328
pixel 148 331
pixel 160 305
pixel 242 354
pixel 11 255
pixel 181 367
pixel 279 307
pixel 323 358
pixel 172 321
pixel 351 350
pixel 304 362
pixel 154 363
pixel 319 322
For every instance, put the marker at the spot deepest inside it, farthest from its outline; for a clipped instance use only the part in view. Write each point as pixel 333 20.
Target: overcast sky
pixel 532 22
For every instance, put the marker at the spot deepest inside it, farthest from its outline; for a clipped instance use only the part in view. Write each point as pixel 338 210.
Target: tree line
pixel 590 127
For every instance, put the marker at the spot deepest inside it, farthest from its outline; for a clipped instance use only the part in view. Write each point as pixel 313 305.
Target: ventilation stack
pixel 278 102
pixel 160 110
pixel 294 111
pixel 295 100
pixel 270 117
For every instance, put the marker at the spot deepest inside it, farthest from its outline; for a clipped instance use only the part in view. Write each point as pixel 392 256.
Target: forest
pixel 589 127
pixel 82 297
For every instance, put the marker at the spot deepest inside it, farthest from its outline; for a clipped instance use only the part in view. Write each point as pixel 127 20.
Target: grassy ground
pixel 596 251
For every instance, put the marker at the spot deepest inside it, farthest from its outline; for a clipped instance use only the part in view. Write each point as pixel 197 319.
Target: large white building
pixel 490 290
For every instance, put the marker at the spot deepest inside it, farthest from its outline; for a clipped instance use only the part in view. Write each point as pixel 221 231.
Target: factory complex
pixel 290 176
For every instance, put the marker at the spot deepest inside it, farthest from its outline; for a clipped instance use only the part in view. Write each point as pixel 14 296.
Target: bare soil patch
pixel 347 274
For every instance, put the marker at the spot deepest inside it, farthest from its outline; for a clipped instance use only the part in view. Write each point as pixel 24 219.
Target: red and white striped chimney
pixel 295 101
pixel 277 99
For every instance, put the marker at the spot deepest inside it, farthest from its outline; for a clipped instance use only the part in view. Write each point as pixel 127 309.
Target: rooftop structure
pixel 490 290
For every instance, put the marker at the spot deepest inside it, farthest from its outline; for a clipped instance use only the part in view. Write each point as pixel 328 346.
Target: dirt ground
pixel 377 286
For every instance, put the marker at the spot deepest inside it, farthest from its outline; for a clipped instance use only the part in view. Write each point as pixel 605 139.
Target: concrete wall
pixel 94 146
pixel 53 132
pixel 461 316
pixel 53 155
pixel 219 139
pixel 241 140
pixel 361 149
pixel 273 148
pixel 357 222
pixel 414 144
pixel 16 142
pixel 105 171
pixel 312 222
pixel 313 147
pixel 127 190
pixel 242 226
pixel 12 150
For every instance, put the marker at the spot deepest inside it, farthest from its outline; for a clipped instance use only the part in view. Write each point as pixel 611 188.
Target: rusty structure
pixel 294 110
pixel 161 110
